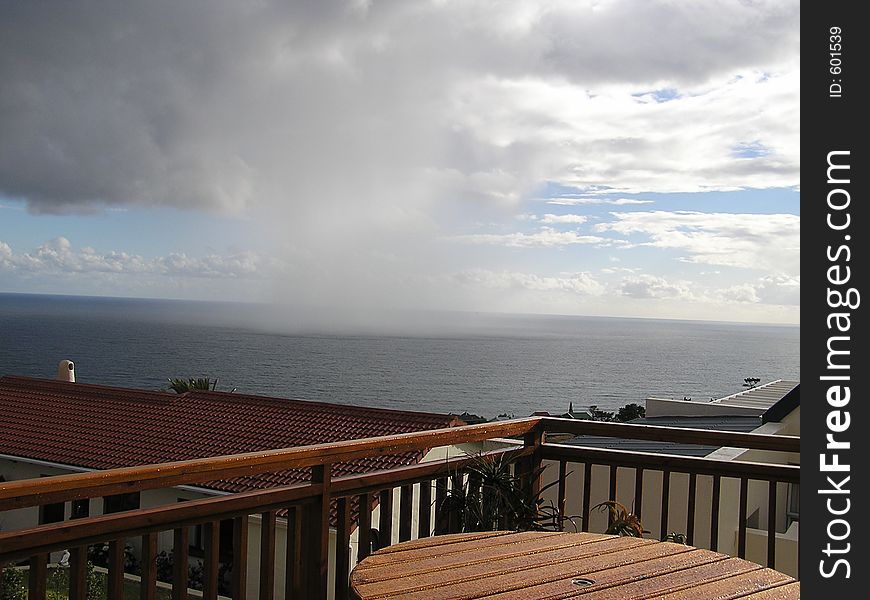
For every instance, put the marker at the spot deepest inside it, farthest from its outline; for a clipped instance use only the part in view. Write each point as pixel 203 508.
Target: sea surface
pixel 488 365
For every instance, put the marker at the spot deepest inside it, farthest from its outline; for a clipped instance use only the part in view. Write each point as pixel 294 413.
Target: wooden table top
pixel 538 565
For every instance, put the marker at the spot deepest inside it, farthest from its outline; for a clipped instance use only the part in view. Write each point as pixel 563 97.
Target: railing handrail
pixel 61 488
pixel 329 501
pixel 673 462
pixel 687 435
pixel 89 530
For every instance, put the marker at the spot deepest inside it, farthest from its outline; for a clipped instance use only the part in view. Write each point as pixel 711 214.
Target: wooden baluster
pixel 239 581
pixel 78 573
pixel 294 584
pixel 714 514
pixel 267 555
pixel 115 581
pixel 424 509
pixel 364 544
pixel 319 543
pixel 690 511
pixel 638 492
pixel 210 565
pixel 442 519
pixel 457 482
pixel 612 491
pixel 405 512
pixel 342 547
pixel 587 494
pixel 771 525
pixel 180 548
pixel 148 581
pixel 385 526
pixel 37 577
pixel 666 501
pixel 561 498
pixel 78 557
pixel 741 524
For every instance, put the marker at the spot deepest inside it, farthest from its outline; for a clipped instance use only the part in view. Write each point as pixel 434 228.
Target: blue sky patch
pixel 750 150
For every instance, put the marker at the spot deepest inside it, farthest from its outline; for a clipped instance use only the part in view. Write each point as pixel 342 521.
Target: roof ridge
pixel 78 389
pixel 319 403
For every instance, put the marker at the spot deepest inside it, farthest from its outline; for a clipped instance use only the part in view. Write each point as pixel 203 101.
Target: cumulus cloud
pixel 568 201
pixel 744 292
pixel 612 270
pixel 765 242
pixel 583 284
pixel 59 256
pixel 763 294
pixel 650 286
pixel 551 219
pixel 546 237
pixel 773 289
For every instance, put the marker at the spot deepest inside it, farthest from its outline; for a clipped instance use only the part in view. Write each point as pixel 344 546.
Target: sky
pixel 605 158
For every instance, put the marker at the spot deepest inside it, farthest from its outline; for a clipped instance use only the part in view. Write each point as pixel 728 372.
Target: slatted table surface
pixel 539 565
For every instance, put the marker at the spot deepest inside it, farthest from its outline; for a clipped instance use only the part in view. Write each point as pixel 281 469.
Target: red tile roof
pixel 99 427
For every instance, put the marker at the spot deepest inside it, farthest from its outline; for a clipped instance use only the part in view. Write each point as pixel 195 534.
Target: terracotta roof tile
pixel 99 427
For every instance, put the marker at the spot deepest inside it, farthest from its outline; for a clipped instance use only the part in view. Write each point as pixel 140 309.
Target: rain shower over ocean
pixel 484 364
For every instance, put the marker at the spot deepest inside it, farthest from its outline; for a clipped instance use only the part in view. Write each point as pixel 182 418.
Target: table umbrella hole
pixel 582 581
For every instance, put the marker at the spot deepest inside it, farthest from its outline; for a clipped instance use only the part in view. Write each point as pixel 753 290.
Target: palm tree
pixel 179 386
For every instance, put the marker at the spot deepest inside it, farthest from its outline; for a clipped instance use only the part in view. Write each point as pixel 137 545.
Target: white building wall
pixel 651 513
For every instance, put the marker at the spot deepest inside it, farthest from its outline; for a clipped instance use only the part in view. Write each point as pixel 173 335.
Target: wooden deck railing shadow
pixel 309 511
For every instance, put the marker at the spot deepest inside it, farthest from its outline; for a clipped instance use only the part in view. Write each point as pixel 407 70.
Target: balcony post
pixel 529 468
pixel 37 577
pixel 239 580
pixel 318 579
pixel 148 581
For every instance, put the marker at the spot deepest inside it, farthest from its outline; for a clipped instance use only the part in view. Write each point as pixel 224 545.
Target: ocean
pixel 487 365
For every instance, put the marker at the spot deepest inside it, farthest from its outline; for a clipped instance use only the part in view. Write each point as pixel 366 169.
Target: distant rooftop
pixel 761 396
pixel 100 427
pixel 750 402
pixel 726 423
pixel 744 412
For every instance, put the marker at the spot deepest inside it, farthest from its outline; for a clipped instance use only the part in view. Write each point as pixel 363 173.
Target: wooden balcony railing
pixel 305 512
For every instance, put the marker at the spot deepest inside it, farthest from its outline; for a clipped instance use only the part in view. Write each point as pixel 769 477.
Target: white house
pixel 773 408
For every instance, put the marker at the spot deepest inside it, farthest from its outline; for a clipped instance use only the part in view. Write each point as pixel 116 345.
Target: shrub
pixel 491 497
pixel 14 585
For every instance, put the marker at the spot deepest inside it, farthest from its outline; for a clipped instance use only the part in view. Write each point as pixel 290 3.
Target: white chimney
pixel 66 371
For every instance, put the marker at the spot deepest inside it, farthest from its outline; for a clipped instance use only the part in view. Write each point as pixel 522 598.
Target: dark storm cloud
pixel 232 106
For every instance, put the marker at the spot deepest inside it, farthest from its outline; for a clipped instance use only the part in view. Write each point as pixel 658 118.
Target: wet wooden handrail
pixel 60 488
pixel 308 504
pixel 21 494
pixel 684 435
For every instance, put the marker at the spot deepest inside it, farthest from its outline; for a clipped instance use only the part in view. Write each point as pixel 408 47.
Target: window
pixel 196 539
pixel 225 551
pixel 80 508
pixel 51 513
pixel 120 502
